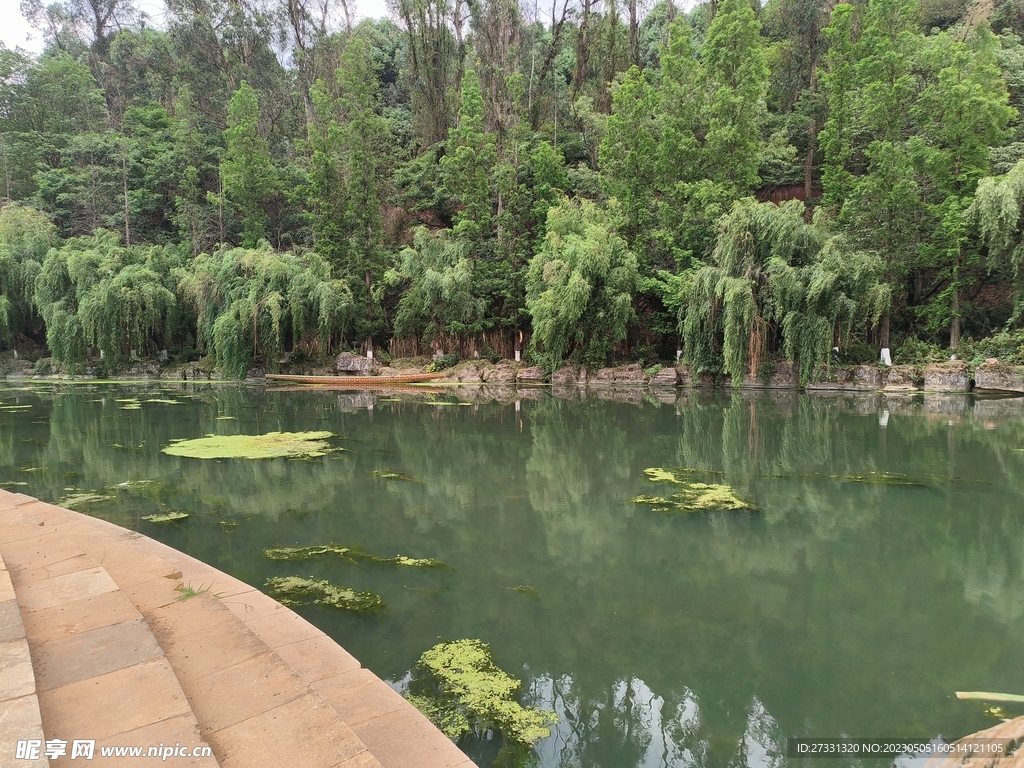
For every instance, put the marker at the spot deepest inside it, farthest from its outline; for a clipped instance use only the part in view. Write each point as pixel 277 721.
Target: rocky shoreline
pixel 955 376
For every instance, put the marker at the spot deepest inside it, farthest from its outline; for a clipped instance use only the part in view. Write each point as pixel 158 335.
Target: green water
pixel 842 608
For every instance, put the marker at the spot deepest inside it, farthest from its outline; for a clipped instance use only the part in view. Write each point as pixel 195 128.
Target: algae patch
pixel 692 496
pixel 881 478
pixel 272 445
pixel 349 553
pixel 296 590
pixel 460 689
pixel 381 474
pixel 166 517
pixel 78 499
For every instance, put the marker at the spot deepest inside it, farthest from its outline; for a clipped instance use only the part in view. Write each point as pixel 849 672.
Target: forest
pixel 732 183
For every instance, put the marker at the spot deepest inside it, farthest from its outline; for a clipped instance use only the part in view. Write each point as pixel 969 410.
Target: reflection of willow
pixel 94 446
pixel 454 452
pixel 632 725
pixel 565 482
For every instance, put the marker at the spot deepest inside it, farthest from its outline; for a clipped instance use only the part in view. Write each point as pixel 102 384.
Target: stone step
pixel 19 705
pixel 99 673
pixel 259 678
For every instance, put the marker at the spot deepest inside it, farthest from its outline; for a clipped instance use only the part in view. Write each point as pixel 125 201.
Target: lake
pixel 882 572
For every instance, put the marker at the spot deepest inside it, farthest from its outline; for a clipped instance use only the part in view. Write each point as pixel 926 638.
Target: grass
pixel 188 592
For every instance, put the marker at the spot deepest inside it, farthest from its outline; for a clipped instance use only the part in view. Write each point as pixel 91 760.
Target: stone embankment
pixel 952 376
pixel 109 636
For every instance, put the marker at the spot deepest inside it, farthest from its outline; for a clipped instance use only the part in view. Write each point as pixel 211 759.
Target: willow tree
pixel 255 303
pixel 92 291
pixel 580 286
pixel 998 212
pixel 438 298
pixel 773 277
pixel 25 237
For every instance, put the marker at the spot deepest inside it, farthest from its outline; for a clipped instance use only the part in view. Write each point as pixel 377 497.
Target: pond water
pixel 846 606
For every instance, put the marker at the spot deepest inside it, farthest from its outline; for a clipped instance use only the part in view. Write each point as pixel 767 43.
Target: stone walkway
pixel 97 643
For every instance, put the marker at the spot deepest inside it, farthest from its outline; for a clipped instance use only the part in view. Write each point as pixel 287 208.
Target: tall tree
pixel 247 170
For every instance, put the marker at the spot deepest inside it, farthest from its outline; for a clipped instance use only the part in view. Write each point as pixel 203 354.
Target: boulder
pixel 499 374
pixel 953 376
pixel 666 377
pixel 687 379
pixel 569 375
pixel 784 375
pixel 532 375
pixel 856 378
pixel 900 378
pixel 631 374
pixel 994 376
pixel 467 372
pixel 349 363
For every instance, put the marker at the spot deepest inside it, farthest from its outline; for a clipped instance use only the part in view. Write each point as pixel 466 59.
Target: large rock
pixel 499 374
pixel 953 376
pixel 994 376
pixel 901 378
pixel 666 377
pixel 784 375
pixel 349 363
pixel 855 378
pixel 466 372
pixel 532 375
pixel 569 375
pixel 687 379
pixel 632 374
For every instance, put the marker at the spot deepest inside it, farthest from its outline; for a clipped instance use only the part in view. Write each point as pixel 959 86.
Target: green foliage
pixel 459 688
pixel 257 302
pixel 467 165
pixel 247 171
pixel 438 279
pixel 580 285
pixel 775 277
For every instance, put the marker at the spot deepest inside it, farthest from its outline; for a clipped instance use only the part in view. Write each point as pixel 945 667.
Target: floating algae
pixel 295 590
pixel 163 400
pixel 14 407
pixel 389 475
pixel 78 499
pixel 133 485
pixel 272 445
pixel 460 689
pixel 225 418
pixel 12 483
pixel 691 496
pixel 166 517
pixel 350 553
pixel 881 478
pixel 228 525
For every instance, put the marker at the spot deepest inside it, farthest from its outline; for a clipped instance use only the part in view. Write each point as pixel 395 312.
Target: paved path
pixel 96 643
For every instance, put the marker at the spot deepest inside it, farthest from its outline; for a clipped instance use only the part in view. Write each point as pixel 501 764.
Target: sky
pixel 15 31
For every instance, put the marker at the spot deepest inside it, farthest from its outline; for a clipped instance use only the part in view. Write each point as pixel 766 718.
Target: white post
pixel 517 355
pixel 15 354
pixel 102 354
pixel 369 354
pixel 679 354
pixel 886 358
